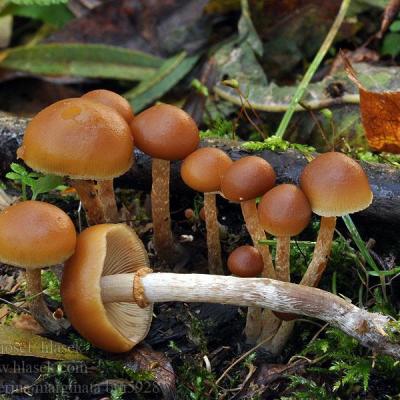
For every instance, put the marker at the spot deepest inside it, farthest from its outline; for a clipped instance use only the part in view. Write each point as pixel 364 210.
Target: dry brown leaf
pixel 27 323
pixel 380 114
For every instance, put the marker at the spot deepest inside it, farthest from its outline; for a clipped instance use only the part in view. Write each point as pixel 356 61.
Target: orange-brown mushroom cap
pixel 101 250
pixel 247 179
pixel 246 262
pixel 34 234
pixel 80 139
pixel 203 169
pixel 166 132
pixel 335 185
pixel 112 100
pixel 284 211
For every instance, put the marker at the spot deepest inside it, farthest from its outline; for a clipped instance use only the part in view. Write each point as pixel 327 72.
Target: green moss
pixel 392 329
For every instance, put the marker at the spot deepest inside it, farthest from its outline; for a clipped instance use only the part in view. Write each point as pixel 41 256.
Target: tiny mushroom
pixel 246 262
pixel 112 100
pixel 86 141
pixel 335 185
pixel 34 235
pixel 203 170
pixel 166 133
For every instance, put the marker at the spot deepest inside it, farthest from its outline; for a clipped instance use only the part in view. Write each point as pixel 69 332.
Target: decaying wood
pixel 372 330
pixel 384 179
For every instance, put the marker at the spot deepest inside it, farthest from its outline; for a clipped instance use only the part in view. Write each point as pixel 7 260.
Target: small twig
pixel 19 308
pixel 242 357
pixel 313 68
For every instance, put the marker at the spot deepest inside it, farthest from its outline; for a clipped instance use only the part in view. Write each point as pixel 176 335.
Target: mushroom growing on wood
pixel 34 235
pixel 112 100
pixel 86 141
pixel 101 313
pixel 203 170
pixel 166 133
pixel 335 185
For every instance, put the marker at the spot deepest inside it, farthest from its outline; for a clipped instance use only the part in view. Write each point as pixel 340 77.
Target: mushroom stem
pixel 369 328
pixel 213 239
pixel 321 252
pixel 258 319
pixel 249 211
pixel 282 259
pixel 163 239
pixel 98 200
pixel 37 306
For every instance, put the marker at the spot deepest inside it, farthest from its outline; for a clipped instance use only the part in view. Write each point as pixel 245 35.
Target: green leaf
pixel 170 73
pixel 56 14
pixel 19 169
pixel 395 27
pixel 391 44
pixel 38 2
pixel 13 176
pixel 393 271
pixel 247 32
pixel 17 342
pixel 88 60
pixel 45 184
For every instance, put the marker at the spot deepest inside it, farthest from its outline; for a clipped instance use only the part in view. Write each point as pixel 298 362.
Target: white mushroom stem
pixel 213 239
pixel 163 238
pixel 371 329
pixel 38 307
pixel 98 200
pixel 321 252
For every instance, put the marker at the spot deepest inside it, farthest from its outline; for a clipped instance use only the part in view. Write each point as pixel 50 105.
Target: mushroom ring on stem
pixel 203 170
pixel 166 133
pixel 85 141
pixel 335 185
pixel 34 235
pixel 100 288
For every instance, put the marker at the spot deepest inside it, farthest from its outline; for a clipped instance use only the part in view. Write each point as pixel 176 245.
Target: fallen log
pixel 384 179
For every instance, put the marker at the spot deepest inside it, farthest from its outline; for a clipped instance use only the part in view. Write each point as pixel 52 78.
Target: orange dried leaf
pixel 380 115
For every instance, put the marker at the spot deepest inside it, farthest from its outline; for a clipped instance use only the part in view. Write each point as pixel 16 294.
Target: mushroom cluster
pixel 90 141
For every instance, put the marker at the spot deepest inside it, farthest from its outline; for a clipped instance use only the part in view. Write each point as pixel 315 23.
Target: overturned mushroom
pixel 335 185
pixel 34 235
pixel 86 141
pixel 166 133
pixel 95 292
pixel 203 170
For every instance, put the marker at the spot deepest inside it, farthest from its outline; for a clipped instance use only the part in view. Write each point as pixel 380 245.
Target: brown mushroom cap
pixel 101 250
pixel 112 100
pixel 246 262
pixel 166 132
pixel 80 139
pixel 203 169
pixel 247 179
pixel 335 185
pixel 284 211
pixel 34 234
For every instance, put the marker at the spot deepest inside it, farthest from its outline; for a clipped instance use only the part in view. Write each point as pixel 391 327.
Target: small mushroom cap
pixel 101 250
pixel 335 185
pixel 284 211
pixel 203 169
pixel 166 132
pixel 34 234
pixel 247 178
pixel 112 100
pixel 80 139
pixel 246 262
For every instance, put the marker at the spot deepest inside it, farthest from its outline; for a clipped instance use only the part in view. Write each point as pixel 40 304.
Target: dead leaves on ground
pixel 380 114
